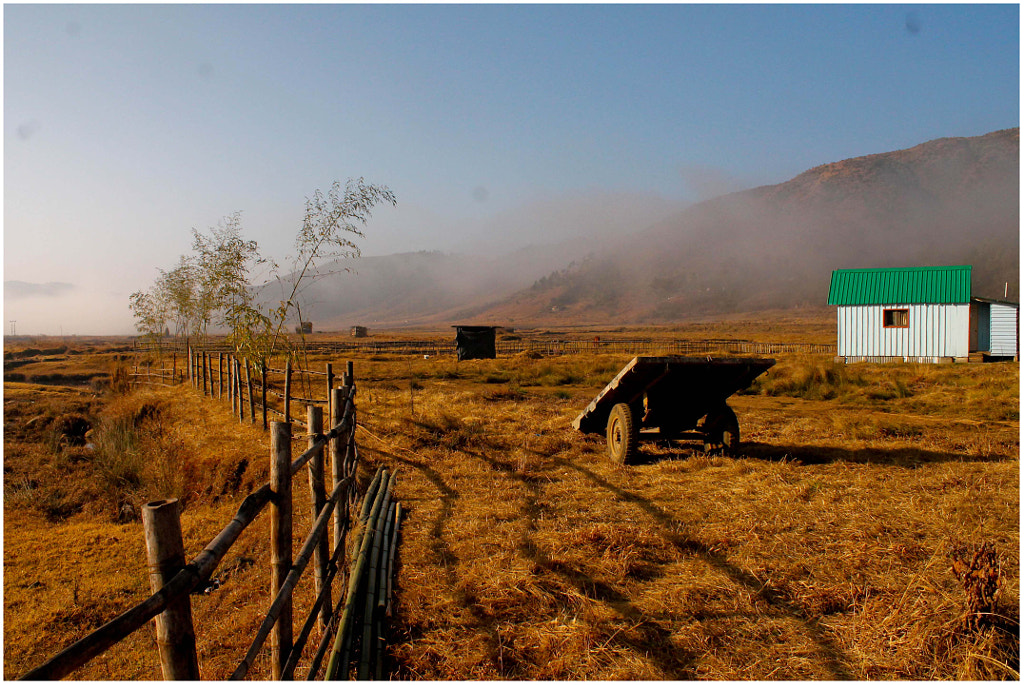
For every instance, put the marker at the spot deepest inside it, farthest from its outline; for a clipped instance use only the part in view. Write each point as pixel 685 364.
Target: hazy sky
pixel 127 125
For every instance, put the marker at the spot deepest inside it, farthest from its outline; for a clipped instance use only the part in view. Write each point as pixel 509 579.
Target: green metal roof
pixel 918 285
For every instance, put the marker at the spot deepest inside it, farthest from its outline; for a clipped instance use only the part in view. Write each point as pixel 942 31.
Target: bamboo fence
pixel 172 580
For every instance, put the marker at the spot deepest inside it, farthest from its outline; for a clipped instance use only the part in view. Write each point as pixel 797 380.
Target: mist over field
pixel 948 201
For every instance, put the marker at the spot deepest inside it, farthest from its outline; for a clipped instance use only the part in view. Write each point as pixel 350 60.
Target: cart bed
pixel 692 385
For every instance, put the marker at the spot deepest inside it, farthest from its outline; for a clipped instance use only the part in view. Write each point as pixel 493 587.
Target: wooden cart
pixel 672 395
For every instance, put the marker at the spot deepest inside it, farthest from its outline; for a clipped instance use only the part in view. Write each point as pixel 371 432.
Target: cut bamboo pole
pixel 391 558
pixel 386 556
pixel 338 664
pixel 368 644
pixel 371 493
pixel 248 383
pixel 280 538
pixel 379 638
pixel 165 556
pixel 315 421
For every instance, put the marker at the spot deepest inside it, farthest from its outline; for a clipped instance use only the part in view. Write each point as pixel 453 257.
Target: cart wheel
pixel 721 431
pixel 623 434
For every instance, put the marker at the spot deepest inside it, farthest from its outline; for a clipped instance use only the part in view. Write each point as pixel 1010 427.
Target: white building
pixel 919 314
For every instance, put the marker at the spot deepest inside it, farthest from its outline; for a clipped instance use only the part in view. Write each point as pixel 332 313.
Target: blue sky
pixel 127 125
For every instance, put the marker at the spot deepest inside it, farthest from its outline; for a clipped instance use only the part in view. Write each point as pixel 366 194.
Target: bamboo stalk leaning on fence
pixel 365 587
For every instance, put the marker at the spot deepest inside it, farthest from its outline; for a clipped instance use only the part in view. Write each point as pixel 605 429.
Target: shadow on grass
pixel 831 655
pixel 648 637
pixel 907 457
pixel 654 641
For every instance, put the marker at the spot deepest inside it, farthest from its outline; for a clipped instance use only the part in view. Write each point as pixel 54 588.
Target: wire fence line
pixel 561 346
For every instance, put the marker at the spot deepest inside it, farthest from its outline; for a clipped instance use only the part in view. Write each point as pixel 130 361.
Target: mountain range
pixel 946 201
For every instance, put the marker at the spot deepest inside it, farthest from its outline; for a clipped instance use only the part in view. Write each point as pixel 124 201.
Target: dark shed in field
pixel 475 342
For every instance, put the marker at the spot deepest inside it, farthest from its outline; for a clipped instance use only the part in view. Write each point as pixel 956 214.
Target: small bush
pixel 118 457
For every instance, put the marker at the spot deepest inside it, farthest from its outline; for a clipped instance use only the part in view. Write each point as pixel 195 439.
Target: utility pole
pixel 13 321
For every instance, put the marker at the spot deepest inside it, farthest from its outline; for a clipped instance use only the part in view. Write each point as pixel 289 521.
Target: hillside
pixel 948 201
pixel 416 288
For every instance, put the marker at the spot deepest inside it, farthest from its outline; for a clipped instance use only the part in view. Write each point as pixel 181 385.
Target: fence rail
pixel 170 605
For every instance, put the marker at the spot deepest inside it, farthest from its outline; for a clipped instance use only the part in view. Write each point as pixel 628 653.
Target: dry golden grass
pixel 819 553
pixel 822 551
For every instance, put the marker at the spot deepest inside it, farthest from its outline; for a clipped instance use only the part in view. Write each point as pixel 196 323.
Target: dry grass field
pixel 850 538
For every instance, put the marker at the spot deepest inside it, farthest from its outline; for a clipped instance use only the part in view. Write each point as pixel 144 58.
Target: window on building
pixel 896 318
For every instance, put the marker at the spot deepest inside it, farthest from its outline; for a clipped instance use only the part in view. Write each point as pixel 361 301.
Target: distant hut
pixel 922 314
pixel 475 342
pixel 360 331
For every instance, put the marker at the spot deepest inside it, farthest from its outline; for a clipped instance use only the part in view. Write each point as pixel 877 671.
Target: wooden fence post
pixel 165 556
pixel 337 468
pixel 315 420
pixel 204 371
pixel 288 391
pixel 346 378
pixel 238 390
pixel 231 381
pixel 248 383
pixel 330 386
pixel 280 539
pixel 220 375
pixel 174 367
pixel 263 390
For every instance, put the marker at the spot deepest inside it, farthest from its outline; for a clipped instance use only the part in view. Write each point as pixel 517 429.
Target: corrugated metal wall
pixel 936 330
pixel 1003 330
